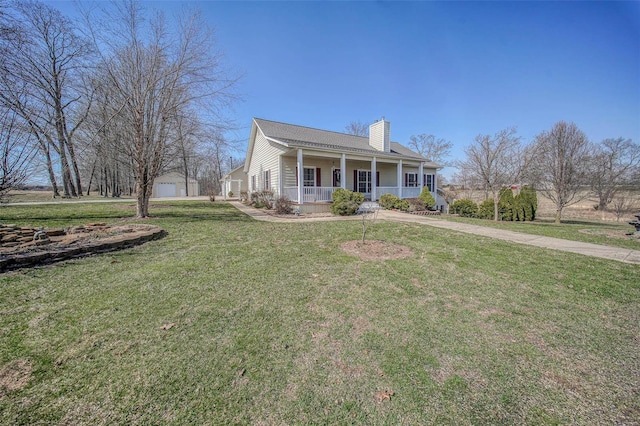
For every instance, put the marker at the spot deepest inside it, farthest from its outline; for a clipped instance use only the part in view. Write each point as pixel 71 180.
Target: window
pixel 429 181
pixel 364 181
pixel 267 180
pixel 336 177
pixel 253 183
pixel 411 180
pixel 309 176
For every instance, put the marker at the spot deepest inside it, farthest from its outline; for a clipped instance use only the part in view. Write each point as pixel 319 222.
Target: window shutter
pixel 377 178
pixel 355 181
pixel 297 177
pixel 406 179
pixel 318 177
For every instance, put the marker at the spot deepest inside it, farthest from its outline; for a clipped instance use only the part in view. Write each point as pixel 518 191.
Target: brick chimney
pixel 379 135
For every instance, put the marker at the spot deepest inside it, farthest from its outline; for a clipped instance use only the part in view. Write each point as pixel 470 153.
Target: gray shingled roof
pixel 300 136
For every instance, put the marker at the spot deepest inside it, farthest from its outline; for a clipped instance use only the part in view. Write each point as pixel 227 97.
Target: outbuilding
pixel 173 184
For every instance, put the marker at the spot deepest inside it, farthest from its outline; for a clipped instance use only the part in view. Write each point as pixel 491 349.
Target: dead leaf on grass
pixel 384 395
pixel 241 372
pixel 167 326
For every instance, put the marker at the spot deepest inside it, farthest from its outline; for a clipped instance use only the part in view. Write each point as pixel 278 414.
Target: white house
pixel 308 164
pixel 173 184
pixel 234 182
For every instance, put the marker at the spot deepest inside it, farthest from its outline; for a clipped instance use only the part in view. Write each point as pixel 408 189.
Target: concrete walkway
pixel 586 249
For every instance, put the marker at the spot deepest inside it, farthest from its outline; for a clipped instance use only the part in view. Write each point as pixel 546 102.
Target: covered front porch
pixel 316 194
pixel 321 174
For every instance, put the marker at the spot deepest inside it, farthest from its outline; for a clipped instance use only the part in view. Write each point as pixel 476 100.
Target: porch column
pixel 420 176
pixel 300 177
pixel 343 171
pixel 374 181
pixel 399 178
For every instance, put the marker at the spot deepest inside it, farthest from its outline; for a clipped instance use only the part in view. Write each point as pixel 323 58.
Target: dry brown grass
pixel 582 210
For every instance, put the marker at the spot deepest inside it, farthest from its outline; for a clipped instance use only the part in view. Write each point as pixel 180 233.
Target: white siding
pixel 379 135
pixel 265 156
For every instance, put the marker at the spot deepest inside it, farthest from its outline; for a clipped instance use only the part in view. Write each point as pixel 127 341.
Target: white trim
pixel 300 175
pixel 343 171
pixel 275 140
pixel 399 176
pixel 374 181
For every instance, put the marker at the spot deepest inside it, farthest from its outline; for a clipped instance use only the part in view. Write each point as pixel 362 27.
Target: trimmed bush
pixel 464 207
pixel 415 205
pixel 485 209
pixel 345 202
pixel 507 205
pixel 426 197
pixel 403 205
pixel 527 203
pixel 388 201
pixel 284 205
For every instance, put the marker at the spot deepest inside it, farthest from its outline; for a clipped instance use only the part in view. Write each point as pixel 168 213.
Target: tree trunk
pixel 558 215
pixel 496 211
pixel 52 175
pixel 143 194
pixel 76 171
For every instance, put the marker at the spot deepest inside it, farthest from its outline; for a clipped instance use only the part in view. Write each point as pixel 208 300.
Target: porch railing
pixel 381 190
pixel 410 192
pixel 312 194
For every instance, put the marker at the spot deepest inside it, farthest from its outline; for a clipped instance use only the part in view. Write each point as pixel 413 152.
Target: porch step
pixel 370 205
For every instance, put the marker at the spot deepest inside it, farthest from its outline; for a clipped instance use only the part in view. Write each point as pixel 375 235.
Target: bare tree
pixel 16 151
pixel 434 149
pixel 497 161
pixel 155 73
pixel 622 203
pixel 611 168
pixel 39 80
pixel 560 165
pixel 357 128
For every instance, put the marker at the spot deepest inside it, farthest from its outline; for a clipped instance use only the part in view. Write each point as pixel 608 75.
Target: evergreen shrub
pixel 345 202
pixel 464 207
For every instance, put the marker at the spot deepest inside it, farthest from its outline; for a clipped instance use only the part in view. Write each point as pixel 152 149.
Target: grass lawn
pixel 588 231
pixel 20 196
pixel 232 321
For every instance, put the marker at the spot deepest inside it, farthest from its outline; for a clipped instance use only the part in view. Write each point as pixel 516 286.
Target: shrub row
pixel 522 207
pixel 425 201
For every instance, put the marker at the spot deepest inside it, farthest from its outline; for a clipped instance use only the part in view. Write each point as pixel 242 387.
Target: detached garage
pixel 173 185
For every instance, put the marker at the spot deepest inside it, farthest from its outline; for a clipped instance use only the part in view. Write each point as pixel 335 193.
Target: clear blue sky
pixel 452 69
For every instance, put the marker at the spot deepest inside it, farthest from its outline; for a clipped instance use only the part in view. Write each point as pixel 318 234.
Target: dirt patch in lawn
pixel 609 233
pixel 14 376
pixel 376 250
